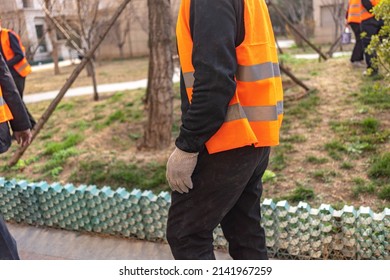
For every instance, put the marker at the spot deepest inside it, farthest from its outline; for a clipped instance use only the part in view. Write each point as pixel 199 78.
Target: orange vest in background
pixel 354 11
pixel 366 14
pixel 22 67
pixel 5 113
pixel 255 113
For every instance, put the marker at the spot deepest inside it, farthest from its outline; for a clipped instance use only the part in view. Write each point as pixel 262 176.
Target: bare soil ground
pixel 336 83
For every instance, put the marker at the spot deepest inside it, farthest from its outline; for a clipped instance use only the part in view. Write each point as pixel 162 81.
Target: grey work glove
pixel 180 167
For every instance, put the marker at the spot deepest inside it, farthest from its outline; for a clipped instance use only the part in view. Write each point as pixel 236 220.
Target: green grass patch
pixel 370 125
pixel 300 193
pixel 324 175
pixel 294 139
pixel 277 160
pixel 59 158
pixel 54 166
pixel 80 125
pixel 68 106
pixel 69 141
pixel 376 96
pixel 359 136
pixel 117 174
pixel 384 193
pixel 362 187
pixel 346 165
pixel 117 97
pixel 335 149
pixel 117 116
pixel 304 107
pixel 21 164
pixel 316 160
pixel 380 168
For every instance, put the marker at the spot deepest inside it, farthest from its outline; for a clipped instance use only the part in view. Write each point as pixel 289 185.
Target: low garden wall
pixel 297 232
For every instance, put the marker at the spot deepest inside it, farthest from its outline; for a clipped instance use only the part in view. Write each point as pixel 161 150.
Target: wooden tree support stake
pixel 49 111
pixel 292 77
pixel 280 13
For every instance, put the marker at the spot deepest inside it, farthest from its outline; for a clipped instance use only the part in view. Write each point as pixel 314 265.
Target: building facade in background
pixel 329 18
pixel 129 37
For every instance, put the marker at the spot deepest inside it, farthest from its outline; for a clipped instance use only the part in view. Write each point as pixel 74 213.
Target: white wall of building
pixel 26 16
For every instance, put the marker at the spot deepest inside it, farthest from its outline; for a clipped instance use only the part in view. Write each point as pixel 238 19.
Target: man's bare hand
pixel 23 137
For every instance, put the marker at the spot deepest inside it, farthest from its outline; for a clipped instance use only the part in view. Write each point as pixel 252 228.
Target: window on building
pixel 41 38
pixel 28 4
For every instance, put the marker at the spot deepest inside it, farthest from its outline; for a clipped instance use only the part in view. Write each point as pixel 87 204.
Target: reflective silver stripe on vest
pixel 2 102
pixel 280 107
pixel 245 73
pixel 24 66
pixel 254 113
pixel 258 72
pixel 189 79
pixel 355 15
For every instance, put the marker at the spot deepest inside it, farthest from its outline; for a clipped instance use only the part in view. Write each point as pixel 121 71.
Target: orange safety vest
pixel 5 113
pixel 364 14
pixel 22 67
pixel 255 113
pixel 354 11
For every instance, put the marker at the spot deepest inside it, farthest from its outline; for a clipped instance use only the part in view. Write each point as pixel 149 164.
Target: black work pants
pixel 227 190
pixel 20 83
pixel 371 27
pixel 8 249
pixel 358 50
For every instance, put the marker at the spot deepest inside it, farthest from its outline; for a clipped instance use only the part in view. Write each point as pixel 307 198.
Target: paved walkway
pixel 53 244
pixel 79 91
pixel 131 85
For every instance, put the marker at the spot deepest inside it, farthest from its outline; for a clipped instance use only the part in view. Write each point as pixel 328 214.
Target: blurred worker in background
pixel 353 20
pixel 13 52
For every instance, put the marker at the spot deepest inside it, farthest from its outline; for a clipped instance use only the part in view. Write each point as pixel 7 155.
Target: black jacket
pixel 367 4
pixel 12 98
pixel 217 28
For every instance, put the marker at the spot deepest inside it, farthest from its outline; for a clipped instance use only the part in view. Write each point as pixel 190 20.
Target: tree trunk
pixel 54 53
pixel 121 52
pixel 53 39
pixel 159 101
pixel 91 69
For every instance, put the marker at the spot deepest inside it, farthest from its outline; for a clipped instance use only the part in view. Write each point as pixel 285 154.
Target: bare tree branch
pixel 53 105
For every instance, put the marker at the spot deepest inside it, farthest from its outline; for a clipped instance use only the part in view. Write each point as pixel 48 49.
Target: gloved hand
pixel 23 137
pixel 180 167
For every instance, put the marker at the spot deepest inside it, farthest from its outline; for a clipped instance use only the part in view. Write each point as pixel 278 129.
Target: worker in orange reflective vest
pixel 232 110
pixel 13 51
pixel 370 26
pixel 353 20
pixel 12 114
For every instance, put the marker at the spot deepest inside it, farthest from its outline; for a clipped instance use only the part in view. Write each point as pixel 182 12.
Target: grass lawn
pixel 335 142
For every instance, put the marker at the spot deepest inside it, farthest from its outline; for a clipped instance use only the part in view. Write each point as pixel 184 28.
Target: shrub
pixel 381 42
